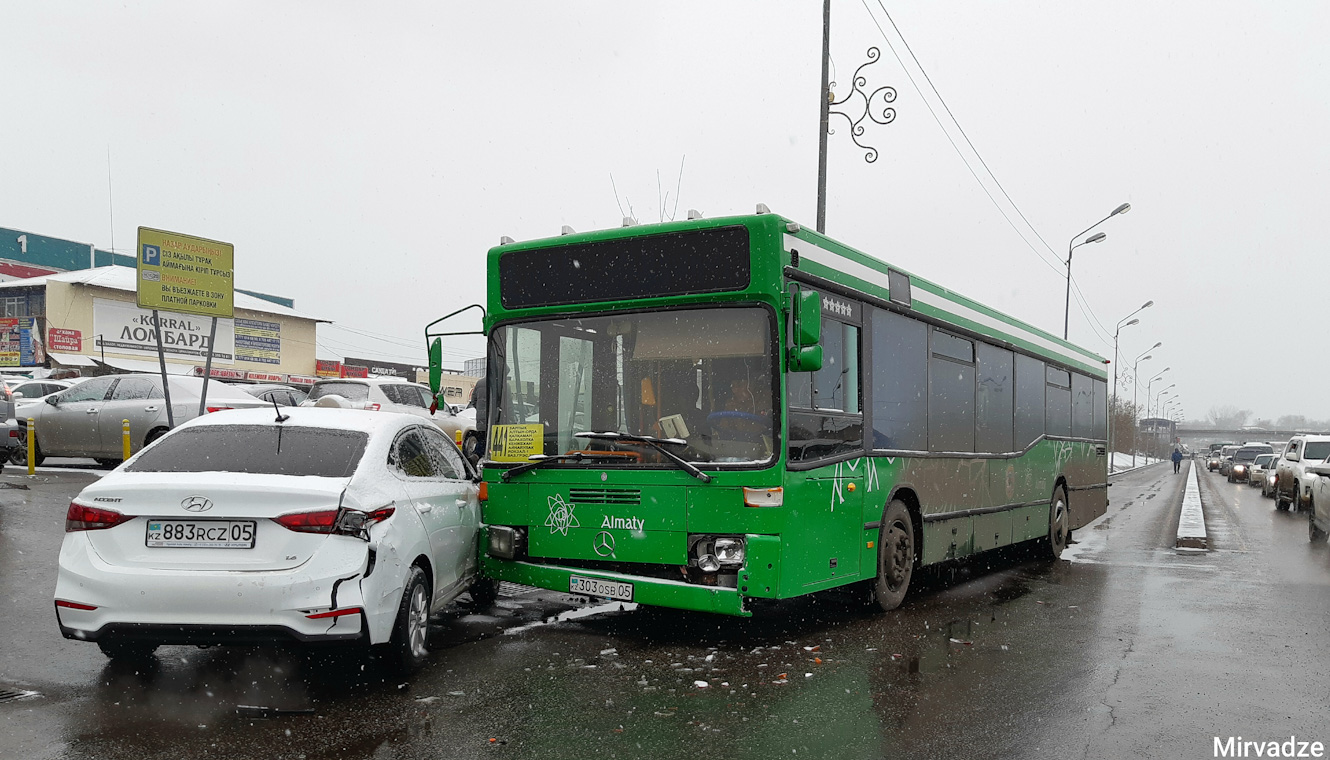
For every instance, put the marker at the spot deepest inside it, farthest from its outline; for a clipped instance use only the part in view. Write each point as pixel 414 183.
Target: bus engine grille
pixel 605 496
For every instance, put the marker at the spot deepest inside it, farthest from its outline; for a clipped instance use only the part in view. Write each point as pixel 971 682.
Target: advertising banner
pixel 21 342
pixel 185 274
pixel 327 368
pixel 258 341
pixel 350 370
pixel 61 339
pixel 384 369
pixel 126 329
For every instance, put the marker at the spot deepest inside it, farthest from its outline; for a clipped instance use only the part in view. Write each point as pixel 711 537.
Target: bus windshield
pixel 702 375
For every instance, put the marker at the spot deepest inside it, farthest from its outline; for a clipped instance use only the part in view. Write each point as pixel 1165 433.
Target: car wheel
pixel 127 650
pixel 38 457
pixel 1313 533
pixel 1296 503
pixel 1058 517
pixel 470 445
pixel 484 591
pixel 408 647
pixel 154 435
pixel 895 556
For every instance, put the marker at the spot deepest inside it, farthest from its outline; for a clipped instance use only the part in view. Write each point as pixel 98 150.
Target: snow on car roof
pixel 339 419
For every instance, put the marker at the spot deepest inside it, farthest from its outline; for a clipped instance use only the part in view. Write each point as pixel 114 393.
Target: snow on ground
pixel 1123 461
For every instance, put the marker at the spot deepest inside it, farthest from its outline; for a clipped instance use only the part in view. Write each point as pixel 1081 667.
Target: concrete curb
pixel 1134 469
pixel 1191 521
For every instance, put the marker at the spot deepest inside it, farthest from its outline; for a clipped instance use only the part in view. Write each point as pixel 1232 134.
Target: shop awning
pixel 72 360
pixel 134 365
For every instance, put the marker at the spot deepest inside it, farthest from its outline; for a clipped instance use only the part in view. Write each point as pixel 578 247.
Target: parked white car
pixel 1292 485
pixel 390 394
pixel 86 420
pixel 324 525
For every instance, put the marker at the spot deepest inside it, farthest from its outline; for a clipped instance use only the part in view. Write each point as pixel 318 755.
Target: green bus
pixel 704 413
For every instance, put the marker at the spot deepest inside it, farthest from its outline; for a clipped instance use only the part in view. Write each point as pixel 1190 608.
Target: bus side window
pixel 831 394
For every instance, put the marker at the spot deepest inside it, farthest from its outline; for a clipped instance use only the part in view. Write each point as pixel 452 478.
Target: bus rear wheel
pixel 895 556
pixel 1058 533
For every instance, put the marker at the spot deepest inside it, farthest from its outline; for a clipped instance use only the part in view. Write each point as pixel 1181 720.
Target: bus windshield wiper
pixel 656 443
pixel 540 460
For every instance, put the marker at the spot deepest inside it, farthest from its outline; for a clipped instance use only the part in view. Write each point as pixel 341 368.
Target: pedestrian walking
pixel 1177 460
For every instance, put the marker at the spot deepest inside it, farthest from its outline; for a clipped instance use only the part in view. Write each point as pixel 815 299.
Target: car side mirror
pixel 1319 469
pixel 1293 458
pixel 53 400
pixel 806 355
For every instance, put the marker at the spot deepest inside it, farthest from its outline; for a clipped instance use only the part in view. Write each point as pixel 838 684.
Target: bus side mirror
pixel 807 318
pixel 806 355
pixel 805 358
pixel 435 365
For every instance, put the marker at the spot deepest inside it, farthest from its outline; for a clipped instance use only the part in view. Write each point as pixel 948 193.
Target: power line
pixel 1090 312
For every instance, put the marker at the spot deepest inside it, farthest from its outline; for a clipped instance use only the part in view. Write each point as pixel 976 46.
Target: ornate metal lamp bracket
pixel 874 106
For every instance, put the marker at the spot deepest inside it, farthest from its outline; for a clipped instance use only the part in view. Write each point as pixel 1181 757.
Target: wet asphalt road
pixel 1125 648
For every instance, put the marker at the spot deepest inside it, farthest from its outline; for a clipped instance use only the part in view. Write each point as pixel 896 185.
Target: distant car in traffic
pixel 390 394
pixel 85 420
pixel 1318 501
pixel 1242 460
pixel 1292 484
pixel 1259 468
pixel 1215 459
pixel 284 395
pixel 24 393
pixel 315 526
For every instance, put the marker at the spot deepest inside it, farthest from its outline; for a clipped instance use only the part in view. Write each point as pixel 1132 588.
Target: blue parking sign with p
pixel 152 256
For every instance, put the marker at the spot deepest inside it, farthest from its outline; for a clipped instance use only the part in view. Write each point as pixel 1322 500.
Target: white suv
pixel 1292 482
pixel 390 395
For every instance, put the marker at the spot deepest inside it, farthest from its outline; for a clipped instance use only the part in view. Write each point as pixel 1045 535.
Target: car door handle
pixel 462 503
pixel 90 411
pixel 149 408
pixel 424 507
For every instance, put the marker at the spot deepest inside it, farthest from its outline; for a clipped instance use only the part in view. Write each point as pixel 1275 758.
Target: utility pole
pixel 824 123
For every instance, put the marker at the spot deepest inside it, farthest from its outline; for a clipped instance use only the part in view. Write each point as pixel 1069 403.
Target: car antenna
pixel 280 417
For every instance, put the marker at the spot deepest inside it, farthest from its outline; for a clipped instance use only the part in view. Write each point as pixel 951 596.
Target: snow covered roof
pixel 122 278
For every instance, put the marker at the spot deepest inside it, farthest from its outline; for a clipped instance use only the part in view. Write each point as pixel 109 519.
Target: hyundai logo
pixel 196 504
pixel 603 544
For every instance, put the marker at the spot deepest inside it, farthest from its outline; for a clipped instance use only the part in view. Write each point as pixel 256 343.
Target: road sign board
pixel 185 274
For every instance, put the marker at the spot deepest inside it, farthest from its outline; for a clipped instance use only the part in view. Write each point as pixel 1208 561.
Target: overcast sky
pixel 362 157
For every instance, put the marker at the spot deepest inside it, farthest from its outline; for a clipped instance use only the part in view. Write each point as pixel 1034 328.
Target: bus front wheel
pixel 895 556
pixel 1058 533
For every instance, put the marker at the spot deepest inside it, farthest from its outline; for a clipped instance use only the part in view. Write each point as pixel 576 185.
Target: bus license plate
pixel 597 587
pixel 201 534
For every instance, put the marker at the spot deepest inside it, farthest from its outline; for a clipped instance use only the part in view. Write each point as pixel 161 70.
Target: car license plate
pixel 201 534
pixel 597 587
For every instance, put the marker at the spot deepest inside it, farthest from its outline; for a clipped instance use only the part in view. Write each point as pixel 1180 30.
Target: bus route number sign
pixel 516 443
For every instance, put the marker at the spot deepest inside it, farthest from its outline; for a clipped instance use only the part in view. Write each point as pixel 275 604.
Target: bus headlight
pixel 711 553
pixel 506 542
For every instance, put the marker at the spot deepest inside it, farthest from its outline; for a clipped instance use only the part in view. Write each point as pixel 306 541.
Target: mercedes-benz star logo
pixel 561 516
pixel 604 544
pixel 196 504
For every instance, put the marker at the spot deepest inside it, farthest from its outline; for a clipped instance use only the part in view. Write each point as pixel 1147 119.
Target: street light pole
pixel 1114 406
pixel 1149 388
pixel 825 122
pixel 1135 386
pixel 1066 311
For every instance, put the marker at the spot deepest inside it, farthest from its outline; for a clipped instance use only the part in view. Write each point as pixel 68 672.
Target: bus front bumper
pixel 650 591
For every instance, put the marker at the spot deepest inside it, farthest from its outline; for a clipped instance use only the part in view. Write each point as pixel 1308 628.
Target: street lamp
pixel 1112 412
pixel 1148 386
pixel 1073 245
pixel 1135 386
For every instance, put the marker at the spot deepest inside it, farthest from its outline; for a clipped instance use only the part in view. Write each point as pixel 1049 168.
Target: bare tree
pixel 1228 417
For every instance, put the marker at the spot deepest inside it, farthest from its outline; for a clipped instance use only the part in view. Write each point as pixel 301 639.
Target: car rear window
pixel 1248 454
pixel 348 391
pixel 256 450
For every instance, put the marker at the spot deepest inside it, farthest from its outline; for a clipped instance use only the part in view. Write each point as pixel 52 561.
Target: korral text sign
pixel 185 274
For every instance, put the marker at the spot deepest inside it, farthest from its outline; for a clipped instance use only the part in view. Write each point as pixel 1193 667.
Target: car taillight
pixel 73 605
pixel 372 407
pixel 342 522
pixel 212 409
pixel 80 517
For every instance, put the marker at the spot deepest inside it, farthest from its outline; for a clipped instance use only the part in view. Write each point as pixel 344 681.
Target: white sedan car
pixel 242 527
